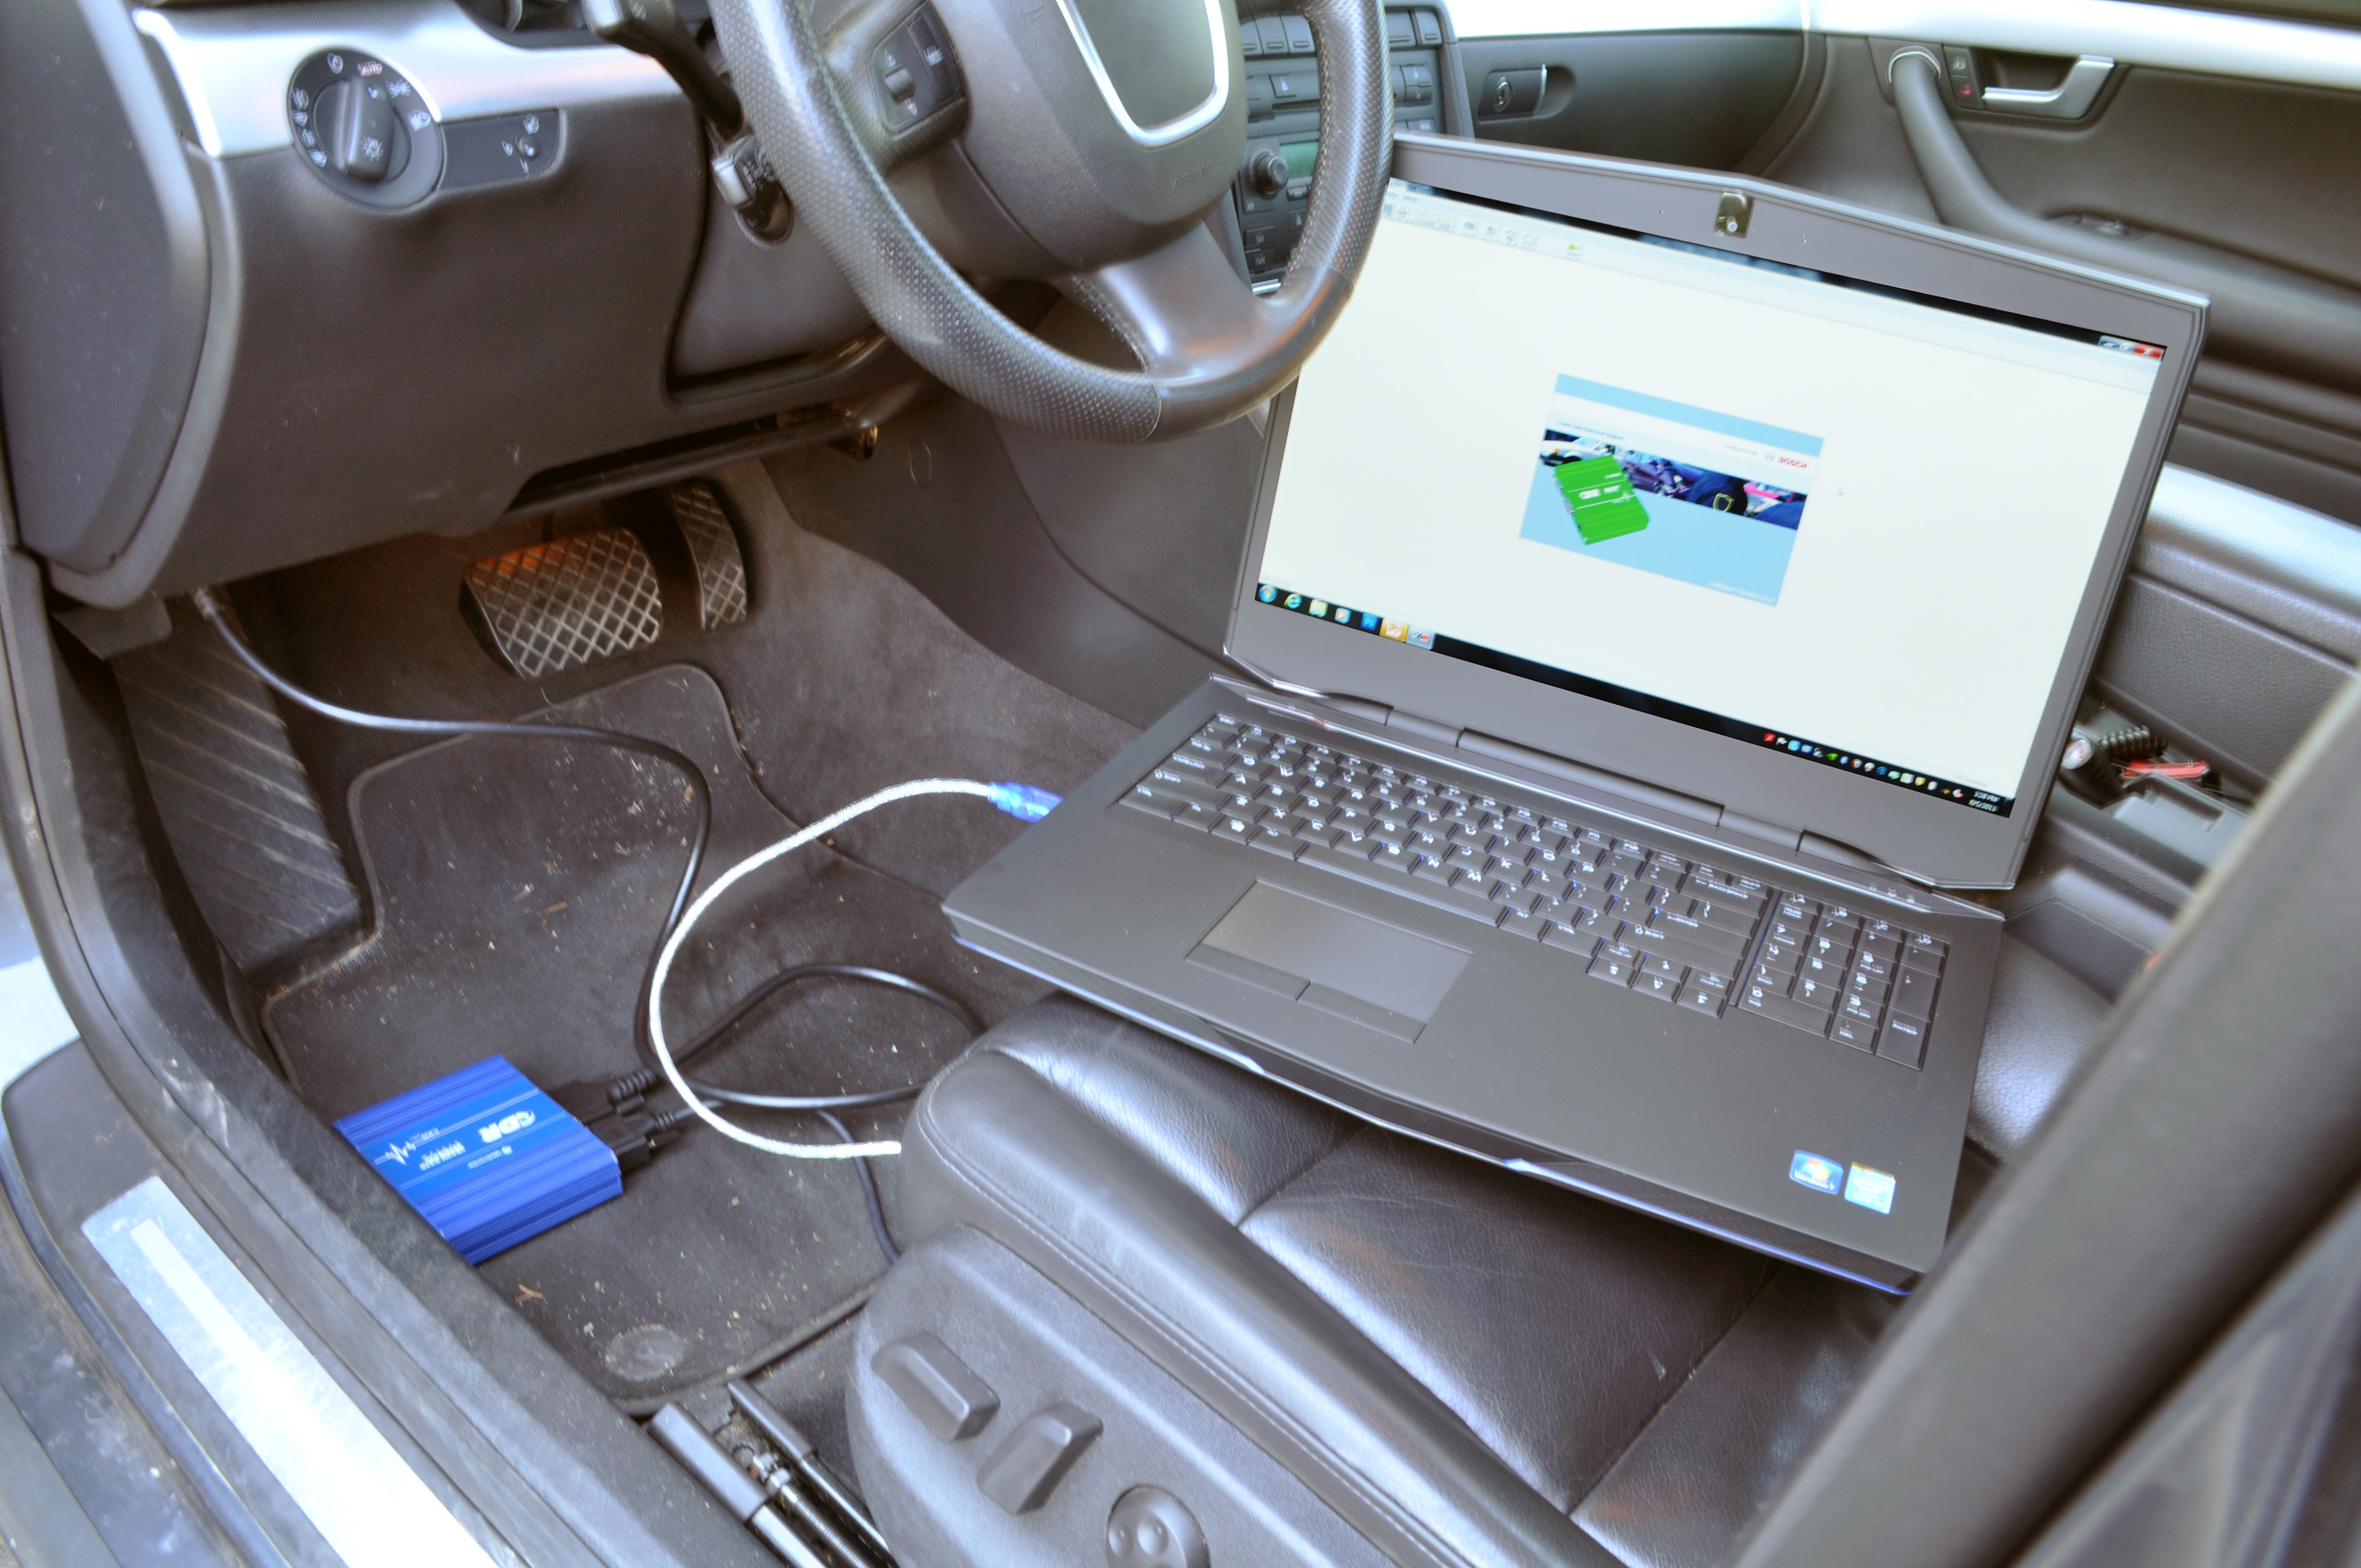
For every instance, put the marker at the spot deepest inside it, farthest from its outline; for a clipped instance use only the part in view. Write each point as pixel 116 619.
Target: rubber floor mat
pixel 516 888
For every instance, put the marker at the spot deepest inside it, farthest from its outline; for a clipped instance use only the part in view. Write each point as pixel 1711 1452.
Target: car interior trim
pixel 1172 130
pixel 1549 18
pixel 2174 36
pixel 348 1479
pixel 2289 567
pixel 2262 49
pixel 232 66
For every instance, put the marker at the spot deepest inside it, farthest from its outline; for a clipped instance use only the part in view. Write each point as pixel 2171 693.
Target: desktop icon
pixel 1295 601
pixel 1319 609
pixel 1419 639
pixel 1369 620
pixel 1343 617
pixel 1394 630
pixel 1267 593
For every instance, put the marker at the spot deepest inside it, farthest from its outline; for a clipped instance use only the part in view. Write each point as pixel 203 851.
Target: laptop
pixel 1666 600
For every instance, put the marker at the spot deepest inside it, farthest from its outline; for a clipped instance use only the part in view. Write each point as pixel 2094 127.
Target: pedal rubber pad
pixel 713 551
pixel 551 607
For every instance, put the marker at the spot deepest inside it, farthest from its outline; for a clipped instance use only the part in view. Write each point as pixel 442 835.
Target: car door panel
pixel 2231 184
pixel 1703 99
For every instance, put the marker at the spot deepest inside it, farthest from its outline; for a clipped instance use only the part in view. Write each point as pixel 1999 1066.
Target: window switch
pixel 1959 65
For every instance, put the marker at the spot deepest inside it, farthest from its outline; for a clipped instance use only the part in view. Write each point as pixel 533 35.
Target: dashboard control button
pixel 502 147
pixel 1267 172
pixel 914 70
pixel 360 126
pixel 1293 86
pixel 364 129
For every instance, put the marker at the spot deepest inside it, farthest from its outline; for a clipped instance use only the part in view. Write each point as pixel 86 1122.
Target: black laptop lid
pixel 1808 513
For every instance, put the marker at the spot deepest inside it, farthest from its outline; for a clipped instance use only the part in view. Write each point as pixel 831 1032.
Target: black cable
pixel 869 1194
pixel 713 1033
pixel 210 605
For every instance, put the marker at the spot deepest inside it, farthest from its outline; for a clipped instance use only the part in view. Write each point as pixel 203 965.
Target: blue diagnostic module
pixel 485 1158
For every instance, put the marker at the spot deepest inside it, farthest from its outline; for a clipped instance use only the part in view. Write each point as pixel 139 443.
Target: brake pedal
pixel 553 607
pixel 713 551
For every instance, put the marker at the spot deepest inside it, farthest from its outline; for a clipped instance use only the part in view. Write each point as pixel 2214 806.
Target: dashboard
pixel 376 267
pixel 1282 89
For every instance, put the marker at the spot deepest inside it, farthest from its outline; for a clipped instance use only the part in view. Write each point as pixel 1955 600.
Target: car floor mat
pixel 516 888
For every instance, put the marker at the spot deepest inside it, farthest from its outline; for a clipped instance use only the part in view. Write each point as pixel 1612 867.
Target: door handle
pixel 2263 315
pixel 2070 100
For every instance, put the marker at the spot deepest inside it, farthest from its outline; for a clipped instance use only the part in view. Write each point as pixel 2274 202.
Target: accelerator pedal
pixel 553 607
pixel 713 551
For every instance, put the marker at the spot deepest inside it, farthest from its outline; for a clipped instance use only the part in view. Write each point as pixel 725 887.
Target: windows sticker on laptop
pixel 1817 1172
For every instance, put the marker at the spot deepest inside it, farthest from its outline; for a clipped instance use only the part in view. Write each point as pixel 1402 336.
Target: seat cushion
pixel 1454 1358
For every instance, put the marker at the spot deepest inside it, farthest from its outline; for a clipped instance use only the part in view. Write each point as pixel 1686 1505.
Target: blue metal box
pixel 485 1158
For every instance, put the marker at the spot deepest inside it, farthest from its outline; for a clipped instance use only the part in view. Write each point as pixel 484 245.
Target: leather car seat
pixel 1223 1315
pixel 1464 1366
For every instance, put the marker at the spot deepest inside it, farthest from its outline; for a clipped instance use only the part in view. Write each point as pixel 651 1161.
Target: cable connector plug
pixel 1023 801
pixel 636 1139
pixel 586 1101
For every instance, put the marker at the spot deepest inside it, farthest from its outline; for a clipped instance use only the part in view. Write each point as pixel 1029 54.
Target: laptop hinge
pixel 1432 730
pixel 1755 827
pixel 1692 807
pixel 1671 802
pixel 1360 707
pixel 1437 732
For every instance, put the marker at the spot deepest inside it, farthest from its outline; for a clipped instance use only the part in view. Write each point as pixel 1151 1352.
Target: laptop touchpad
pixel 1331 959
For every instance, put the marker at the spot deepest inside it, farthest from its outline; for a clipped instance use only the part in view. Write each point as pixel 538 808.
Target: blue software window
pixel 1712 499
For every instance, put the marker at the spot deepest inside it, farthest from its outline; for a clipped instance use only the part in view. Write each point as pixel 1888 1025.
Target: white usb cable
pixel 1021 801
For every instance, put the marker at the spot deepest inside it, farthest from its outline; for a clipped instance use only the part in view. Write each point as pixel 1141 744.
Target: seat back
pixel 2217 1123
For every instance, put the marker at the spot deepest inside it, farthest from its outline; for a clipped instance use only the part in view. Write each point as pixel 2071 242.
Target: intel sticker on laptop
pixel 1869 1189
pixel 1820 1173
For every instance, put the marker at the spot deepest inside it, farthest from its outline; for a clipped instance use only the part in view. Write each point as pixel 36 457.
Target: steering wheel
pixel 1082 142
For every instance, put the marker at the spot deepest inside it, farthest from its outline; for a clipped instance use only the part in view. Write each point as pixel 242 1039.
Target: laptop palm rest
pixel 1339 962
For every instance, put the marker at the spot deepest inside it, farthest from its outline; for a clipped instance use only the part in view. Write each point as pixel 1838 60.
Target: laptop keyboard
pixel 1628 914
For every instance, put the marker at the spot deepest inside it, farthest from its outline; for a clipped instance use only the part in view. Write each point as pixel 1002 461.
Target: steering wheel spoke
pixel 897 78
pixel 1103 154
pixel 1183 309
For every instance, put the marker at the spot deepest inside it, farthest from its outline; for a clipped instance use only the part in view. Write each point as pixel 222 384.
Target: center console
pixel 1282 87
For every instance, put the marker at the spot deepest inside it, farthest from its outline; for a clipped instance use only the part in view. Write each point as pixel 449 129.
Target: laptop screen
pixel 1839 521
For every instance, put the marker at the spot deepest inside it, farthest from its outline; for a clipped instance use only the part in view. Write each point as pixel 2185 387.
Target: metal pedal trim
pixel 553 607
pixel 704 525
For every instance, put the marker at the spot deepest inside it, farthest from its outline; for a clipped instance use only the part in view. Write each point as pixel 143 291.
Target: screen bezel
pixel 1937 842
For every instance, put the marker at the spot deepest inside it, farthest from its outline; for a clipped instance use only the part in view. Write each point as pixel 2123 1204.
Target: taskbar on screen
pixel 1375 623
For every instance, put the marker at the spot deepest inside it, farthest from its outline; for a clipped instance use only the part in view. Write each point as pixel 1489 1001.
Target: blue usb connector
pixel 1023 801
